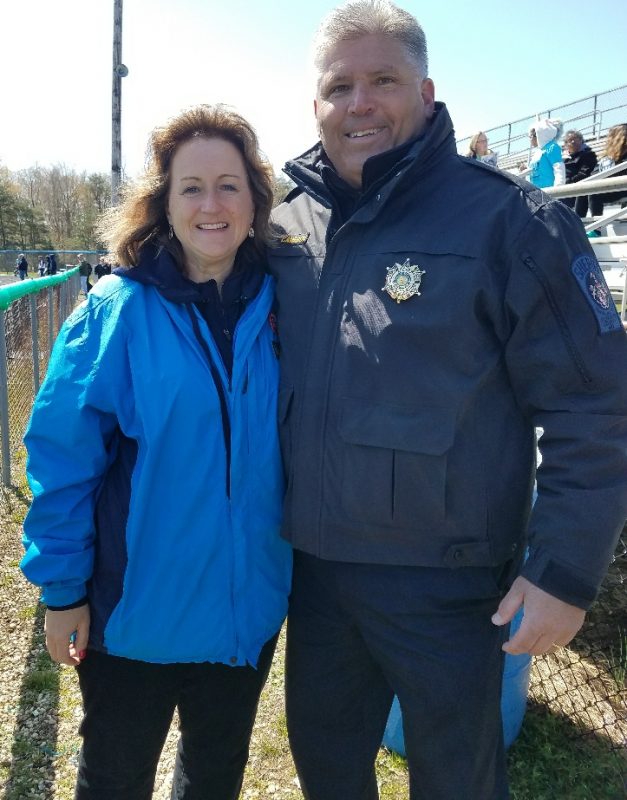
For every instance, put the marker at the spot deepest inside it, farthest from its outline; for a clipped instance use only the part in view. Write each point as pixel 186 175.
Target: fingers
pixel 547 621
pixel 67 633
pixel 528 640
pixel 508 606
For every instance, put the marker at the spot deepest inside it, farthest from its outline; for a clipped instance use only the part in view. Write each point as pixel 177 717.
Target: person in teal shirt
pixel 546 162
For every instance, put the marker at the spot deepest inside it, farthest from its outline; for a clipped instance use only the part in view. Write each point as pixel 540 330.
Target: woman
pixel 615 153
pixel 479 150
pixel 156 475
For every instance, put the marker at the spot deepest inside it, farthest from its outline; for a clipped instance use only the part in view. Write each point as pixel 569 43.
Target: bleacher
pixel 593 116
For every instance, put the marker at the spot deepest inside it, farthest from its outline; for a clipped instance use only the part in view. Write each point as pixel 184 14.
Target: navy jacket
pixel 408 428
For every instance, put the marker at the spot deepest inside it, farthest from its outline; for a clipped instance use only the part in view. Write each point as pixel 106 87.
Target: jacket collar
pixel 157 268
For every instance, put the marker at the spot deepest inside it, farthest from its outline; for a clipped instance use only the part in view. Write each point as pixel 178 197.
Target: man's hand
pixel 547 621
pixel 60 627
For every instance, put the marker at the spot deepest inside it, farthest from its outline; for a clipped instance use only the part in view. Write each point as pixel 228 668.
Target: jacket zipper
pixel 224 408
pixel 561 322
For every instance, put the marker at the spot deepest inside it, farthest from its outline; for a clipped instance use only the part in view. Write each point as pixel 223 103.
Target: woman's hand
pixel 67 633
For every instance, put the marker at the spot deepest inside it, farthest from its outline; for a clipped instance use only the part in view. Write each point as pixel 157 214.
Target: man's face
pixel 370 98
pixel 573 145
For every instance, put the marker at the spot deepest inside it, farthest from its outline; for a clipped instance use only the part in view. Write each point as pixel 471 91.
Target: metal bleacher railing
pixel 31 313
pixel 593 116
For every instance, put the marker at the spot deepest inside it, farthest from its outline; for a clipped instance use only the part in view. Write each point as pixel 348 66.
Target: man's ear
pixel 427 90
pixel 316 116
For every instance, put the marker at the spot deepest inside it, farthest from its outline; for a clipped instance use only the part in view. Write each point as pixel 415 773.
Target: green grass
pixel 41 681
pixel 617 659
pixel 549 762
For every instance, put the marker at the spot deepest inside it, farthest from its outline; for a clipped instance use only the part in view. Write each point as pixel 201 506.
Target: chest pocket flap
pixel 414 430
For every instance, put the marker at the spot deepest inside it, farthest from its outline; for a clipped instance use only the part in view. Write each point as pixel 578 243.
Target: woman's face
pixel 209 206
pixel 481 146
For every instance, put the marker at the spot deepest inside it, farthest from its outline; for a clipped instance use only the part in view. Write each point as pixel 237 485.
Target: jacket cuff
pixel 560 580
pixel 59 598
pixel 77 604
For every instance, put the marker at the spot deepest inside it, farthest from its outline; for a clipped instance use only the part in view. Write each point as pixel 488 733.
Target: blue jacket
pixel 184 572
pixel 408 427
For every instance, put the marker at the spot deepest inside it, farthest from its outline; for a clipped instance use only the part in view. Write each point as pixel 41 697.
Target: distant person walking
pixel 102 267
pixel 21 266
pixel 51 264
pixel 41 267
pixel 84 270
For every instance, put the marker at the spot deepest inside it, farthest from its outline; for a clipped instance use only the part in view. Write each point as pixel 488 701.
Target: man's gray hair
pixel 358 18
pixel 573 134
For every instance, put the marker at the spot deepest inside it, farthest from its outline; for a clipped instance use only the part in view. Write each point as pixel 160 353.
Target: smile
pixel 212 226
pixel 361 134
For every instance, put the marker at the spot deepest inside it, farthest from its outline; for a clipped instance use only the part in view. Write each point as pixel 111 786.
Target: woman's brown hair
pixel 141 216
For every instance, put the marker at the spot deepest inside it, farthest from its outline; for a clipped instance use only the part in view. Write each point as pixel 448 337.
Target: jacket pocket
pixel 395 463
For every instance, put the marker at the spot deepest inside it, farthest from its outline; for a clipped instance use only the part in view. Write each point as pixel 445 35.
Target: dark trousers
pixel 598 201
pixel 360 633
pixel 128 709
pixel 580 204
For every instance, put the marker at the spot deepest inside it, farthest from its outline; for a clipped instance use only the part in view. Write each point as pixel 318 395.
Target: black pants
pixel 360 633
pixel 580 204
pixel 128 709
pixel 598 201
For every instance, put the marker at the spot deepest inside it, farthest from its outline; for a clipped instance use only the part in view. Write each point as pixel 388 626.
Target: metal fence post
pixel 50 297
pixel 34 329
pixel 595 135
pixel 63 303
pixel 4 405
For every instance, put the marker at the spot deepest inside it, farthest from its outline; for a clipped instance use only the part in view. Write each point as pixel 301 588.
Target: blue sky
pixel 489 64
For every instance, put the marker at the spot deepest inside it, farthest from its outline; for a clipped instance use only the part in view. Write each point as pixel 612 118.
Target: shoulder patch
pixel 592 283
pixel 298 238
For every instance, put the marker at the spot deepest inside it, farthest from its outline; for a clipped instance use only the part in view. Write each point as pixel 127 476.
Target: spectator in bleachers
pixel 615 153
pixel 579 164
pixel 546 162
pixel 479 150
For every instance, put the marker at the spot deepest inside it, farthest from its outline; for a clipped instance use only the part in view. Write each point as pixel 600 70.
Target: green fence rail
pixel 31 313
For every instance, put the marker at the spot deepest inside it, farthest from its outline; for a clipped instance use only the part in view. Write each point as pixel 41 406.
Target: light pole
pixel 119 71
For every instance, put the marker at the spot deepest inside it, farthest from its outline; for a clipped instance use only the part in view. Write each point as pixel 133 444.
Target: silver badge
pixel 403 281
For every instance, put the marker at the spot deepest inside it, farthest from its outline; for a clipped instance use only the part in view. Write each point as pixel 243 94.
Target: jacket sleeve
pixel 567 359
pixel 559 173
pixel 74 417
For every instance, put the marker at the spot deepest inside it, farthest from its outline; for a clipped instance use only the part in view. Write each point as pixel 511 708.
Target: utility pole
pixel 119 71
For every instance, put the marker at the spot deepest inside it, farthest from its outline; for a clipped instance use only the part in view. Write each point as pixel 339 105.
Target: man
pixel 84 271
pixel 579 164
pixel 432 313
pixel 102 267
pixel 21 267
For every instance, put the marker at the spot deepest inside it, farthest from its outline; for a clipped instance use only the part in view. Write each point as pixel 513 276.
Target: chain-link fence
pixel 587 681
pixel 31 313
